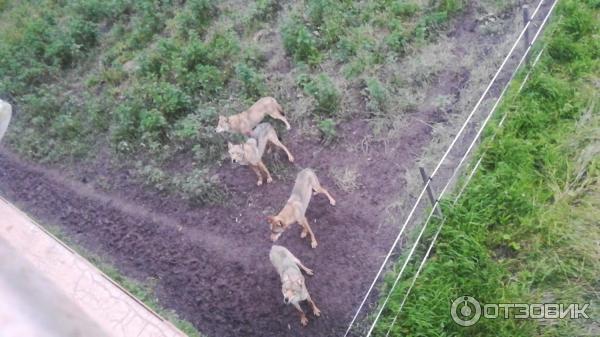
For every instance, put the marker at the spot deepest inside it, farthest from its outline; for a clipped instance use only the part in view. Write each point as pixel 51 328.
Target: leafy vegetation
pixel 144 80
pixel 526 229
pixel 151 67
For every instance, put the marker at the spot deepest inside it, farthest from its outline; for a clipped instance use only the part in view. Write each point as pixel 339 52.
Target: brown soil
pixel 211 263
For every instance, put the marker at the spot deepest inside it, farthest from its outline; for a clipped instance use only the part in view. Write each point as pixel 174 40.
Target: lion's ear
pixel 229 145
pixel 271 219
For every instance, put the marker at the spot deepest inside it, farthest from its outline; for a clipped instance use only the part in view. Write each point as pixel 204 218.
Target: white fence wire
pixel 455 171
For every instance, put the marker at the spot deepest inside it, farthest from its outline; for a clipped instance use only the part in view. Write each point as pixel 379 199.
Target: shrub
pixel 266 9
pixel 165 97
pixel 195 132
pixel 317 10
pixel 125 126
pixel 223 47
pixel 98 10
pixel 253 82
pixel 562 48
pixel 159 61
pixel 62 51
pixel 300 43
pixel 195 17
pixel 332 30
pixel 397 40
pixel 377 94
pixel 153 176
pixel 152 123
pixel 83 33
pixel 327 129
pixel 208 79
pixel 194 53
pixel 404 9
pixel 146 112
pixel 324 92
pixel 149 21
pixel 451 6
pixel 66 127
pixel 197 189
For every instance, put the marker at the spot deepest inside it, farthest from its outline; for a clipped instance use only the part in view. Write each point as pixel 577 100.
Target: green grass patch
pixel 526 229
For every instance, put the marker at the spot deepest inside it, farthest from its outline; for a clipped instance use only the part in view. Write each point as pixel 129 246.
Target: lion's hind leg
pixel 275 141
pixel 321 190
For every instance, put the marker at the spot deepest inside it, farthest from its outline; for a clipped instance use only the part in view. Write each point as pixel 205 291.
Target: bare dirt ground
pixel 211 264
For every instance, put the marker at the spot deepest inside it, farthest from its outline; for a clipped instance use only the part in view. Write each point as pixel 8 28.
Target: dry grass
pixel 346 178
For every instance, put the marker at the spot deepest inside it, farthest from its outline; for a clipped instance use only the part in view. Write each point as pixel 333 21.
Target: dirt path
pixel 47 290
pixel 211 264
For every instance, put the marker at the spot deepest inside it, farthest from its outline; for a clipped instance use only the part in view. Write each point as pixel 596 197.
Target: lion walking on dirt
pixel 251 152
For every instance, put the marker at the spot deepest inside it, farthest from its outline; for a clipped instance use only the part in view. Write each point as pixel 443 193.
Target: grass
pixel 130 74
pixel 525 231
pixel 345 178
pixel 142 291
pixel 142 82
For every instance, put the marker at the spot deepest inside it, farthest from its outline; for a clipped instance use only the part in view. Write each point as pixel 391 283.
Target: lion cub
pixel 251 152
pixel 292 281
pixel 245 121
pixel 296 206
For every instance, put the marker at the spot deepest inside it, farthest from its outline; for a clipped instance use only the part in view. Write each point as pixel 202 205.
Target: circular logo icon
pixel 466 311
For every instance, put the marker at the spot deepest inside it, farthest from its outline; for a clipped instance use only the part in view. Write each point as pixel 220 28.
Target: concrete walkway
pixel 46 289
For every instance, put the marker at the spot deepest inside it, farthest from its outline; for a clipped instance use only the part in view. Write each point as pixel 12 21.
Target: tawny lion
pixel 251 152
pixel 296 206
pixel 293 286
pixel 245 121
pixel 5 114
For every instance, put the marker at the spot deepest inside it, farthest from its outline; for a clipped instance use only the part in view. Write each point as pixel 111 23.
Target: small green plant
pixel 397 39
pixel 266 10
pixel 377 95
pixel 152 124
pixel 300 43
pixel 327 129
pixel 195 17
pixel 325 93
pixel 197 188
pixel 153 176
pixel 404 9
pixel 252 81
pixel 83 33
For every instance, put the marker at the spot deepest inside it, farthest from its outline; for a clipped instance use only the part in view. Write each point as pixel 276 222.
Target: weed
pixel 404 9
pixel 522 232
pixel 377 95
pixel 197 189
pixel 325 93
pixel 327 129
pixel 266 9
pixel 300 43
pixel 253 82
